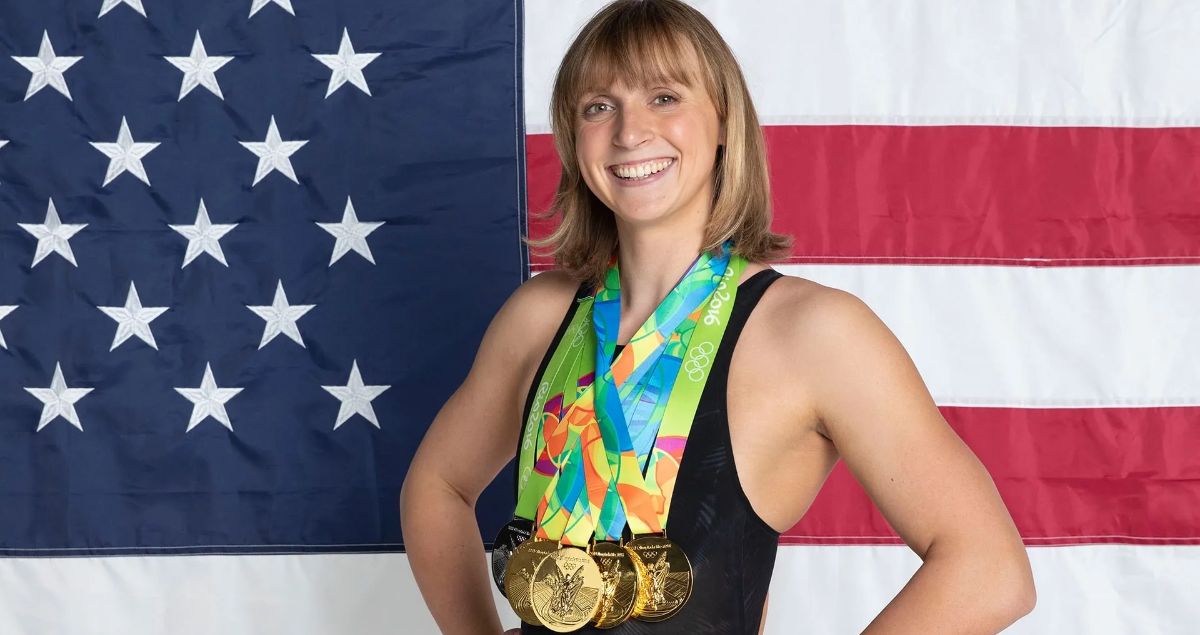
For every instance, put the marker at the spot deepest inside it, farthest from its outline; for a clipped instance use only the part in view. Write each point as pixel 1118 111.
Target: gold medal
pixel 515 532
pixel 566 590
pixel 664 576
pixel 518 578
pixel 618 584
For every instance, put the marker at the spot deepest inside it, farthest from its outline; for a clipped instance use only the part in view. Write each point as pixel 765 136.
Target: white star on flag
pixel 199 69
pixel 5 310
pixel 109 5
pixel 208 400
pixel 273 153
pixel 58 400
pixel 255 5
pixel 203 237
pixel 133 319
pixel 356 398
pixel 346 66
pixel 125 154
pixel 3 142
pixel 350 234
pixel 47 68
pixel 53 236
pixel 281 317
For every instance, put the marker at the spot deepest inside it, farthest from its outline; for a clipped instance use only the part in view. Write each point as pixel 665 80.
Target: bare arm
pixel 975 576
pixel 471 439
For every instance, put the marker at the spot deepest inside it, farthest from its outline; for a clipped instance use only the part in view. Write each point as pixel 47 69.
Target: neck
pixel 652 261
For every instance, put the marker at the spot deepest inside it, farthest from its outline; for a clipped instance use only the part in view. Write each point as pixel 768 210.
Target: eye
pixel 666 96
pixel 590 109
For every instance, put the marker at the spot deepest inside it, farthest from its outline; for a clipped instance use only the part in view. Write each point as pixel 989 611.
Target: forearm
pixel 955 593
pixel 445 552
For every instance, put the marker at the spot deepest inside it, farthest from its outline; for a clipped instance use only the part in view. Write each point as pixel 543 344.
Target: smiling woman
pixel 664 329
pixel 646 82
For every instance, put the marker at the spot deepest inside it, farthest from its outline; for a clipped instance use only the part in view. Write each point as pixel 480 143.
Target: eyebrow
pixel 669 84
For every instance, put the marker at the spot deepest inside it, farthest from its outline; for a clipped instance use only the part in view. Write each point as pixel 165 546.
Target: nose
pixel 633 128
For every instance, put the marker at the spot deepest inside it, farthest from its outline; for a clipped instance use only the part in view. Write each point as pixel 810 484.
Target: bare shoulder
pixel 805 334
pixel 837 332
pixel 553 282
pixel 800 302
pixel 531 315
pixel 794 310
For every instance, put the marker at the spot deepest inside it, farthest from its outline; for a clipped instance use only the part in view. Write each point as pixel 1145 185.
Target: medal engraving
pixel 618 584
pixel 518 579
pixel 512 534
pixel 665 576
pixel 566 590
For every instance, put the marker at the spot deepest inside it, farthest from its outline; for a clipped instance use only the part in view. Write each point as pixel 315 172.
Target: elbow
pixel 1022 597
pixel 405 498
pixel 1019 604
pixel 1010 593
pixel 1026 596
pixel 1026 600
pixel 403 495
pixel 1005 602
pixel 411 490
pixel 421 487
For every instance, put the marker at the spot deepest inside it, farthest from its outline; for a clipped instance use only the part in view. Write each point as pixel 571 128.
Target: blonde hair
pixel 638 42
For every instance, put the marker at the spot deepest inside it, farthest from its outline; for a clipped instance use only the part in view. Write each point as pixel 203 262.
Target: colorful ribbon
pixel 646 398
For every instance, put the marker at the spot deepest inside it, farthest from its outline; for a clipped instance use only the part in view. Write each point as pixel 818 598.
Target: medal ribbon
pixel 556 392
pixel 645 418
pixel 595 478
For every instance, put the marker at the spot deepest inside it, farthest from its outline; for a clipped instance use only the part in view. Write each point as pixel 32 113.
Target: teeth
pixel 643 170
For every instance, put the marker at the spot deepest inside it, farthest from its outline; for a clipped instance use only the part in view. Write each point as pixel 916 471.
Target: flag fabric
pixel 229 229
pixel 1014 188
pixel 247 250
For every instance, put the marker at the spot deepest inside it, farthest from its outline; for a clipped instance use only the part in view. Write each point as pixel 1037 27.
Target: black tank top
pixel 731 549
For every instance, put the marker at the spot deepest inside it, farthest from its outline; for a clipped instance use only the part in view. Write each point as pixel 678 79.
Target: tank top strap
pixel 748 295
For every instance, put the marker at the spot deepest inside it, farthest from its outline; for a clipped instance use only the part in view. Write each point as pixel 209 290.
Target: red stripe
pixel 1001 195
pixel 1067 476
pixel 970 194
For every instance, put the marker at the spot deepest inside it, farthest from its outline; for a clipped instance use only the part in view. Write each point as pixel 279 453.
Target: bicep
pixel 879 414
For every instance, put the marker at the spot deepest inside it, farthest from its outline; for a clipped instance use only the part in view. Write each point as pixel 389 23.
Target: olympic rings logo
pixel 699 358
pixel 578 336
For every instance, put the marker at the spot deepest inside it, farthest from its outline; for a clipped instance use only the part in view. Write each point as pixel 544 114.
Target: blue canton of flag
pixel 247 250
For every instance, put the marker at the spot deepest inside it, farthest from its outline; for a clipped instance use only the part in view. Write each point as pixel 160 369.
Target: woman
pixel 664 168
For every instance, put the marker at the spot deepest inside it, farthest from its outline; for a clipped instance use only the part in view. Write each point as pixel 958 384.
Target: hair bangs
pixel 635 52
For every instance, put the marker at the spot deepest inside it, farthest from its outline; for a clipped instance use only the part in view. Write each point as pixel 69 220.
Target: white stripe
pixel 1095 589
pixel 309 594
pixel 1044 337
pixel 927 62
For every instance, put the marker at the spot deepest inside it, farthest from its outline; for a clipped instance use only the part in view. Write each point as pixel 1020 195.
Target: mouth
pixel 641 172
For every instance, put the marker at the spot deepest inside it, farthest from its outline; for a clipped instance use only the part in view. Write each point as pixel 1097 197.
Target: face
pixel 648 152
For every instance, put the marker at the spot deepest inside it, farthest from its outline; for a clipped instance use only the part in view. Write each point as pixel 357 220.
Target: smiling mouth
pixel 642 170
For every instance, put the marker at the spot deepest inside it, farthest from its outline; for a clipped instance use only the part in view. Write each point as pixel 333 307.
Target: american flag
pixel 247 250
pixel 1012 186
